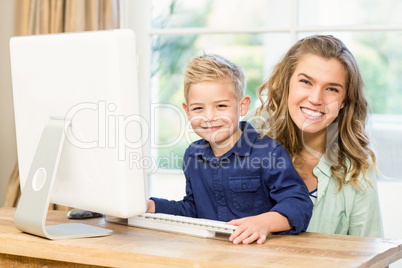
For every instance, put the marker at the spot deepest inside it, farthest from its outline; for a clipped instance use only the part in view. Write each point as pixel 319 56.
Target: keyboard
pixel 183 225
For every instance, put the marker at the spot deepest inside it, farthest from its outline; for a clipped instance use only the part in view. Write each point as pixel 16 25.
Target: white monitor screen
pixel 89 78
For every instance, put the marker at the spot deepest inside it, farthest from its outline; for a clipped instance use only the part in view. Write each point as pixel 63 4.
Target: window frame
pixel 136 15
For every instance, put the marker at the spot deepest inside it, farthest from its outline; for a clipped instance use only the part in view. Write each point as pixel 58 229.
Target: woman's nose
pixel 315 97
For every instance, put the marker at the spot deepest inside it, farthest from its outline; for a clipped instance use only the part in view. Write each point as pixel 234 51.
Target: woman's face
pixel 316 93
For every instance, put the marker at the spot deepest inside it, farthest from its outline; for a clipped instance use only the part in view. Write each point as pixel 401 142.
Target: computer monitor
pixel 78 127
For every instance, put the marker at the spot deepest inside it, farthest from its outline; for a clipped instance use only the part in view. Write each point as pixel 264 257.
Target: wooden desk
pixel 134 247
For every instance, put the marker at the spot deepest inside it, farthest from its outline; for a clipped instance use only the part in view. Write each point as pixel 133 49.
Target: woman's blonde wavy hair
pixel 347 142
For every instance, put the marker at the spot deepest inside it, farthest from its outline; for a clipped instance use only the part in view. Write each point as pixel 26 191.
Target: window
pixel 255 35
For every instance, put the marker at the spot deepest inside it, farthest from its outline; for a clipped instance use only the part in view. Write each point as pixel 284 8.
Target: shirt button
pixel 244 186
pixel 220 196
pixel 217 164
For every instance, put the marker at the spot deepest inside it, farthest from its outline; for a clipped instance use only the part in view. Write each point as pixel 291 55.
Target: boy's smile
pixel 214 112
pixel 211 128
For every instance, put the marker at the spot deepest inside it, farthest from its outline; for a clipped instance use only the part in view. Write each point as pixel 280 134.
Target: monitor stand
pixel 32 209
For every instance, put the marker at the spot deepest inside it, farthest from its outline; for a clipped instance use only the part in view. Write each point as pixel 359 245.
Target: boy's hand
pixel 250 229
pixel 150 206
pixel 257 228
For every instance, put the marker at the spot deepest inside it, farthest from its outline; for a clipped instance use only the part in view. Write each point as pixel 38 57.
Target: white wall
pixel 386 137
pixel 8 151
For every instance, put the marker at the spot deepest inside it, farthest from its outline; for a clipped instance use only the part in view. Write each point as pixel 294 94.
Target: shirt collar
pixel 242 147
pixel 324 166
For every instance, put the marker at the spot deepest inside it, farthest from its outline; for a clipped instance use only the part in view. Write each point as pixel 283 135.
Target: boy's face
pixel 214 113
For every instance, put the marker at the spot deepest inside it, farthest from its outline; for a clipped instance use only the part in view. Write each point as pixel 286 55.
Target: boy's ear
pixel 185 107
pixel 244 105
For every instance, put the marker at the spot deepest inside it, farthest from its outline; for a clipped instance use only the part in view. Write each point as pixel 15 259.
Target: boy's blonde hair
pixel 211 67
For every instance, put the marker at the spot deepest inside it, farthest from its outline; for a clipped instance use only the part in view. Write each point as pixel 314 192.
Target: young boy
pixel 232 172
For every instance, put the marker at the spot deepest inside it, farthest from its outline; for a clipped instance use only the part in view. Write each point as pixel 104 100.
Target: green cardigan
pixel 349 211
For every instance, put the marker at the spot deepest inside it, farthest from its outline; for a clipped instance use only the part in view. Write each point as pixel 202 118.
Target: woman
pixel 317 111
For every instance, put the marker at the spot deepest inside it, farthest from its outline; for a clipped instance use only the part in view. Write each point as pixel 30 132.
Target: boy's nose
pixel 210 115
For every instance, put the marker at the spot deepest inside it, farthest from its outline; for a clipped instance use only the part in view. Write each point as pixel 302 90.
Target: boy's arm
pixel 290 192
pixel 185 207
pixel 257 228
pixel 293 209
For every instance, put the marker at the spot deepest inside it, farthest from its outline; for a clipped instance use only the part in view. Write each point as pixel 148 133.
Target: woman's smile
pixel 311 114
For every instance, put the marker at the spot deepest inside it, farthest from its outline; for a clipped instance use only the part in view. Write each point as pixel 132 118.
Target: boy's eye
pixel 196 108
pixel 222 106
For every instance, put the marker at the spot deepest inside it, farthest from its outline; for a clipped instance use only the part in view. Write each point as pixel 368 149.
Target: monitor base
pixel 32 209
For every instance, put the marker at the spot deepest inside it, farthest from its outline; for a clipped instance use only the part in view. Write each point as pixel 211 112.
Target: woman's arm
pixel 365 218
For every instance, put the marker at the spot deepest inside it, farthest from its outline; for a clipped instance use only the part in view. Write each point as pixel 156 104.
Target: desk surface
pixel 150 248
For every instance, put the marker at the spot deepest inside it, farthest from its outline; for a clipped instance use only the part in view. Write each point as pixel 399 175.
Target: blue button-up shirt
pixel 254 177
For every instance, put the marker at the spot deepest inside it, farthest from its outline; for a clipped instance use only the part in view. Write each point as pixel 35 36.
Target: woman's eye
pixel 333 89
pixel 304 81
